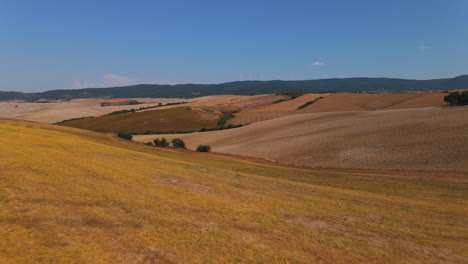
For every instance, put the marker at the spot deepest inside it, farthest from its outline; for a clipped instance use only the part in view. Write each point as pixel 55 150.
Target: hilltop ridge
pixel 376 85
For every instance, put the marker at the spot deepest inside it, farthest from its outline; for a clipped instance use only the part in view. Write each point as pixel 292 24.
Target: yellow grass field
pixel 73 196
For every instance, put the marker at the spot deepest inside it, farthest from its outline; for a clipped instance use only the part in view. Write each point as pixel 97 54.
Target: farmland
pixel 167 120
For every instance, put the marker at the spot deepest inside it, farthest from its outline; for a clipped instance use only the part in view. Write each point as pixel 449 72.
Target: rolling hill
pixel 378 85
pixel 422 138
pixel 75 196
pixel 57 111
pixel 341 102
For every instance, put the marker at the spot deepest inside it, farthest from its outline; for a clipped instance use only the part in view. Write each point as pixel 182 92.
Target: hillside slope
pixel 73 196
pixel 342 102
pixel 166 120
pixel 422 138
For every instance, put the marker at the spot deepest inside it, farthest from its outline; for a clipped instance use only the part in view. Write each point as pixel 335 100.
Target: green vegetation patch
pixel 457 98
pixel 309 103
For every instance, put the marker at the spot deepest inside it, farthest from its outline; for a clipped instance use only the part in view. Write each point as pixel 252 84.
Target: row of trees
pixel 176 142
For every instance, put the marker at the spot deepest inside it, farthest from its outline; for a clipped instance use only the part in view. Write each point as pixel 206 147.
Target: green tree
pixel 178 143
pixel 161 142
pixel 203 148
pixel 125 135
pixel 457 98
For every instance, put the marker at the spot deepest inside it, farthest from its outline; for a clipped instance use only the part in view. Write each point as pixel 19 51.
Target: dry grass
pixel 173 119
pixel 424 138
pixel 71 196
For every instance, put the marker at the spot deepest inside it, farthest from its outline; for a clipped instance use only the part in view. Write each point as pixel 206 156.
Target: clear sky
pixel 59 44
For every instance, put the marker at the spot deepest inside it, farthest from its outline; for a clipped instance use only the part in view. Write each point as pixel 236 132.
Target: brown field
pixel 59 111
pixel 174 119
pixel 247 103
pixel 75 196
pixel 423 138
pixel 366 102
pixel 341 102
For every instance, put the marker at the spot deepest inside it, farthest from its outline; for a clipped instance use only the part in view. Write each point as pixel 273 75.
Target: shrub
pixel 457 98
pixel 203 148
pixel 224 118
pixel 125 135
pixel 133 102
pixel 121 112
pixel 292 95
pixel 149 143
pixel 178 143
pixel 161 143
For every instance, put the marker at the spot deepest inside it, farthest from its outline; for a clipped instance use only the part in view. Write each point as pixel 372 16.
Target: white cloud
pixel 317 64
pixel 108 80
pixel 111 80
pixel 424 47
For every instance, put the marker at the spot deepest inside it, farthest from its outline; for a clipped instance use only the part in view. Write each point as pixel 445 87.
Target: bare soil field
pixel 341 102
pixel 420 139
pixel 366 102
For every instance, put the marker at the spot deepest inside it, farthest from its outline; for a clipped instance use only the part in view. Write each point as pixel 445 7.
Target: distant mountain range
pixel 376 85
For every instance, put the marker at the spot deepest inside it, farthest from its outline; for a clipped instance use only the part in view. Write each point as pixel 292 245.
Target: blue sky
pixel 71 44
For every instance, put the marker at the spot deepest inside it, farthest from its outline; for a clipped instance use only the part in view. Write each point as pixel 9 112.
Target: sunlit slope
pixel 70 196
pixel 421 139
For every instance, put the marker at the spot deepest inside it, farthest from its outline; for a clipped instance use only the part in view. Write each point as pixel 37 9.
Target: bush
pixel 292 95
pixel 149 143
pixel 457 98
pixel 279 101
pixel 125 135
pixel 178 143
pixel 203 148
pixel 133 102
pixel 161 143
